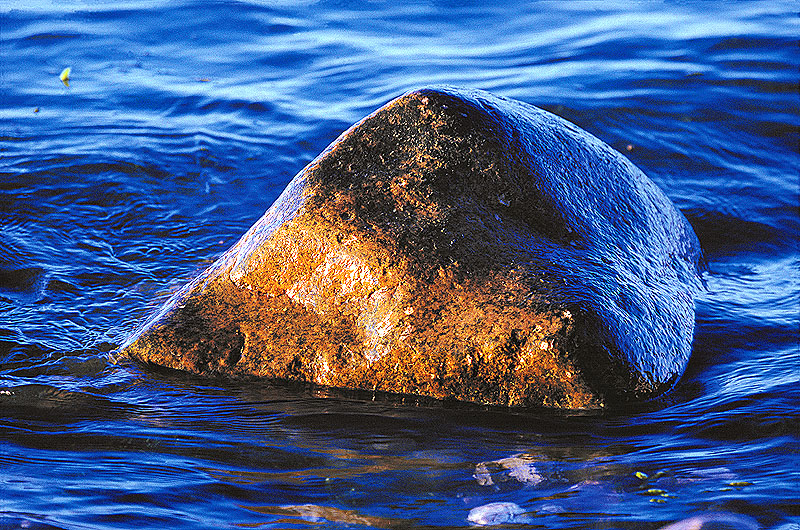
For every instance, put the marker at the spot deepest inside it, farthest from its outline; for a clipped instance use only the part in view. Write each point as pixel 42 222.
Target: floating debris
pixel 654 491
pixel 65 75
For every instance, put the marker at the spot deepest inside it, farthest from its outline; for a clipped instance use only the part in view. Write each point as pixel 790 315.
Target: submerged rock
pixel 497 513
pixel 520 468
pixel 456 245
pixel 715 521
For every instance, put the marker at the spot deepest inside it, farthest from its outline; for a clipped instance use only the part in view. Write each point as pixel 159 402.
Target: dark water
pixel 182 123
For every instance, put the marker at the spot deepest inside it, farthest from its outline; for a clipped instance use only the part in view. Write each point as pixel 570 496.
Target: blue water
pixel 183 121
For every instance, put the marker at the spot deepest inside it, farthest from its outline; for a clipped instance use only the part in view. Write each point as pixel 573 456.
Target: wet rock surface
pixel 456 245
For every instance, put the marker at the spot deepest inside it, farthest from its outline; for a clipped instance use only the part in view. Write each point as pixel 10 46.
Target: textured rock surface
pixel 456 245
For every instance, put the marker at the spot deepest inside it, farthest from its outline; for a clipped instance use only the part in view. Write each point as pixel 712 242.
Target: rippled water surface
pixel 183 121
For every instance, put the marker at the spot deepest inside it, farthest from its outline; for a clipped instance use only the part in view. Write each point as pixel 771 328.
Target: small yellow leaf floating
pixel 655 492
pixel 740 484
pixel 65 75
pixel 640 475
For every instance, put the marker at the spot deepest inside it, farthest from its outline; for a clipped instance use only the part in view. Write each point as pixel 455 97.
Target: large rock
pixel 457 245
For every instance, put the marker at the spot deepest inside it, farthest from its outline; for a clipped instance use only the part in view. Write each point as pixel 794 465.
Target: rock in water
pixel 457 245
pixel 497 513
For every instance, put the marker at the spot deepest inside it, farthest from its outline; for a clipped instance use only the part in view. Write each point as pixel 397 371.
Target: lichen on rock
pixel 456 245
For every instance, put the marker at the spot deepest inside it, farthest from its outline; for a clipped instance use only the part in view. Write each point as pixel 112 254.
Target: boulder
pixel 456 245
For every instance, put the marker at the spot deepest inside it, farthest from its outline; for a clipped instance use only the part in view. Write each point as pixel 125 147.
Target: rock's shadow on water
pixel 45 404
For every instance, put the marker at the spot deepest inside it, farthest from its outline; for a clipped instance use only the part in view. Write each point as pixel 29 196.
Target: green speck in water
pixel 65 75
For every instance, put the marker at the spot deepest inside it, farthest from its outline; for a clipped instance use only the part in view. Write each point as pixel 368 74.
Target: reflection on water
pixel 183 121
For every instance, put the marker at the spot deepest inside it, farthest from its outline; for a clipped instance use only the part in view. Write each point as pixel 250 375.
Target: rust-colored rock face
pixel 455 245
